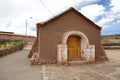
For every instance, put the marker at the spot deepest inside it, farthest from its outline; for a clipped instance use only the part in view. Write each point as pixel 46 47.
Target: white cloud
pixel 111 15
pixel 104 20
pixel 118 21
pixel 92 11
pixel 14 13
pixel 115 6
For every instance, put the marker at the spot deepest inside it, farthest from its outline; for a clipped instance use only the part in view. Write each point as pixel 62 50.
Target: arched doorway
pixel 67 49
pixel 74 47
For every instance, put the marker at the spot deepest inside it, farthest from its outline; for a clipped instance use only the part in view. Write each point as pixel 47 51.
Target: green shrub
pixel 11 43
pixel 10 47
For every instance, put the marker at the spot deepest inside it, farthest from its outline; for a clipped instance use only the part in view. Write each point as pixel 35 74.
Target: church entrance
pixel 74 47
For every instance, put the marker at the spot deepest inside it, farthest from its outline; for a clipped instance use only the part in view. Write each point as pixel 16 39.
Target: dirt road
pixel 16 66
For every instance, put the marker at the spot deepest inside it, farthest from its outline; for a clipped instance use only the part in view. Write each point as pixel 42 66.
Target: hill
pixel 111 41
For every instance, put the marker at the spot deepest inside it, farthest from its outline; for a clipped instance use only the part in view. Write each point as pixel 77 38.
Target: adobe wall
pixel 51 34
pixel 9 36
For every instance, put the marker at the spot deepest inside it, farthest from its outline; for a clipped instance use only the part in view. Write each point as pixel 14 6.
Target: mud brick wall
pixel 9 36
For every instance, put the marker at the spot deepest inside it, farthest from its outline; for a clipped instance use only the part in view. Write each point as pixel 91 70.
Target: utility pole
pixel 26 29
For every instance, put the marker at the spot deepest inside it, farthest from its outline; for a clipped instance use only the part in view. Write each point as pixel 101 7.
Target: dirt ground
pixel 17 67
pixel 100 71
pixel 113 55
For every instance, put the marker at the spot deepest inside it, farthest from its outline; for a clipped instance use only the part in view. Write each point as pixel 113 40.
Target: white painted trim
pixel 78 33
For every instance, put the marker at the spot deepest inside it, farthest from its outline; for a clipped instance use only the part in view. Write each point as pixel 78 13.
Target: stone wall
pixel 10 50
pixel 103 56
pixel 62 54
pixel 34 49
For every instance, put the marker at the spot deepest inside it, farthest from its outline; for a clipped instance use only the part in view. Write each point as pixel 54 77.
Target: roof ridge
pixel 42 23
pixel 69 9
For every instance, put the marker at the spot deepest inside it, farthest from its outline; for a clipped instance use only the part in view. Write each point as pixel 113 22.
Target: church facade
pixel 69 36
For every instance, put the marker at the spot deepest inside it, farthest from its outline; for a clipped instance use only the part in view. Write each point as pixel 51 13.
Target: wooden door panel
pixel 74 48
pixel 71 52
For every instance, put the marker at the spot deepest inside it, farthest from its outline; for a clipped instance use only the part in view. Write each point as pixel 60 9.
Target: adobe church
pixel 69 36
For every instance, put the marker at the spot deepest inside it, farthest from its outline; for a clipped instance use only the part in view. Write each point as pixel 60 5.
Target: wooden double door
pixel 74 47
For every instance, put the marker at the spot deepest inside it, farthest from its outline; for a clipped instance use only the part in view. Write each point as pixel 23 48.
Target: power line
pixel 47 8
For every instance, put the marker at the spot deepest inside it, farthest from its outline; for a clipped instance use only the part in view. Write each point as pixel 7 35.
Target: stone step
pixel 79 62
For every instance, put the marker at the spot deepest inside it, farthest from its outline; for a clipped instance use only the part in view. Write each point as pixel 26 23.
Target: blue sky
pixel 111 19
pixel 112 27
pixel 14 13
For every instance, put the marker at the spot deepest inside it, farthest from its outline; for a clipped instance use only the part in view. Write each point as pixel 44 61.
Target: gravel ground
pixel 101 71
pixel 16 66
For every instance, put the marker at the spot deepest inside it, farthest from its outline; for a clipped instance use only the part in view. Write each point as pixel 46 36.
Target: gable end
pixel 70 9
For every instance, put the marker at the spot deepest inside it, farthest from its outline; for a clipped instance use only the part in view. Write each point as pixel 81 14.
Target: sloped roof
pixel 70 9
